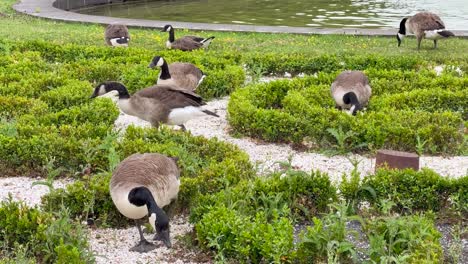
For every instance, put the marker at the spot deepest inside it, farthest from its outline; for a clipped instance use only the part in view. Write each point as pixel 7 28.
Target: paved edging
pixel 44 9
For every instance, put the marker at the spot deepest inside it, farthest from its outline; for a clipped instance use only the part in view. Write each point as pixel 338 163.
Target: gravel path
pixel 266 155
pixel 21 189
pixel 112 245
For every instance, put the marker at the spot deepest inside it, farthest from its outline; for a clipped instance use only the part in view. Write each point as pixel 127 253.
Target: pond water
pixel 301 13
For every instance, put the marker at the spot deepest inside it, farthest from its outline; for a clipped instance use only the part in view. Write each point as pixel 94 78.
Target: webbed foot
pixel 143 246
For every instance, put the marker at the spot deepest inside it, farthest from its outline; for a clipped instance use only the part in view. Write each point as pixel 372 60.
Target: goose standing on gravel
pixel 141 185
pixel 184 75
pixel 117 35
pixel 423 25
pixel 157 104
pixel 186 43
pixel 351 90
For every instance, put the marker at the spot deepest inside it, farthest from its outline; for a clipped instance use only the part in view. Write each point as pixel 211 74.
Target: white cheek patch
pixel 152 221
pixel 351 110
pixel 401 36
pixel 201 80
pixel 114 43
pixel 102 89
pixel 160 62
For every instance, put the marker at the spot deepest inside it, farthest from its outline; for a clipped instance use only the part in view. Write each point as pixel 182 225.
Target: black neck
pixel 171 35
pixel 123 92
pixel 403 26
pixel 142 196
pixel 165 74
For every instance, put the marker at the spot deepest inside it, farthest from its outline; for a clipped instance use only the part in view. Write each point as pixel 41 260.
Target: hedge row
pixel 207 166
pixel 254 221
pixel 302 111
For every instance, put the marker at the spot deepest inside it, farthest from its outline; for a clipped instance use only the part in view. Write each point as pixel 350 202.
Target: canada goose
pixel 117 35
pixel 140 186
pixel 423 25
pixel 157 104
pixel 186 43
pixel 184 75
pixel 351 90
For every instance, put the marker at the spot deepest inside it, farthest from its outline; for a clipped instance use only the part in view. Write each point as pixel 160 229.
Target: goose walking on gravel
pixel 141 185
pixel 157 104
pixel 423 25
pixel 117 35
pixel 184 75
pixel 351 90
pixel 186 43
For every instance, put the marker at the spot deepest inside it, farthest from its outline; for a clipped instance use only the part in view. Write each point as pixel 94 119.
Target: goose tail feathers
pixel 208 112
pixel 446 33
pixel 206 42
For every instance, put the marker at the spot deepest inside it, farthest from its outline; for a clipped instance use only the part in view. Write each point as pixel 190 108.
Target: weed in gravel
pixel 326 239
pixel 456 245
pixel 51 173
pixel 406 239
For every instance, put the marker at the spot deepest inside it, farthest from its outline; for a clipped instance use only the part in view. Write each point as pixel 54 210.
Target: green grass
pixel 22 27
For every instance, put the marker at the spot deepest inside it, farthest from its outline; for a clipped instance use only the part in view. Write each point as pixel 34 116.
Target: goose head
pixel 167 28
pixel 156 62
pixel 160 223
pixel 402 31
pixel 351 98
pixel 114 88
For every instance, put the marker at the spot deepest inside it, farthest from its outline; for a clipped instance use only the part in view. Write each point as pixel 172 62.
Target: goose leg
pixel 142 246
pixel 435 43
pixel 419 41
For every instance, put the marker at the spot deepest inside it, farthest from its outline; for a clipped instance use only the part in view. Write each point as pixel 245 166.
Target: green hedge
pixel 302 110
pixel 407 190
pixel 207 166
pixel 411 190
pixel 297 63
pixel 303 193
pixel 97 64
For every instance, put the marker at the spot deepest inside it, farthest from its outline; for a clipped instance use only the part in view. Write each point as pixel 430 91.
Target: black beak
pixel 165 238
pixel 151 65
pixel 92 96
pixel 163 30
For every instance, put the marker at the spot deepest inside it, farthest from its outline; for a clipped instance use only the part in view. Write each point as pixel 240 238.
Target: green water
pixel 318 13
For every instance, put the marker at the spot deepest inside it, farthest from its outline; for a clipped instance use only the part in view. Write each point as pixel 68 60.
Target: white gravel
pixel 112 245
pixel 21 189
pixel 267 155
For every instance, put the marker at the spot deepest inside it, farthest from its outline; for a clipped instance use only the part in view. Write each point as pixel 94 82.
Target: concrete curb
pixel 44 9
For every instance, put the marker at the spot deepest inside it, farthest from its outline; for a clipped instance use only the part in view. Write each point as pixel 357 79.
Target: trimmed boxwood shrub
pixel 300 111
pixel 207 166
pixel 248 239
pixel 304 194
pixel 409 190
pixel 252 221
pixel 15 106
